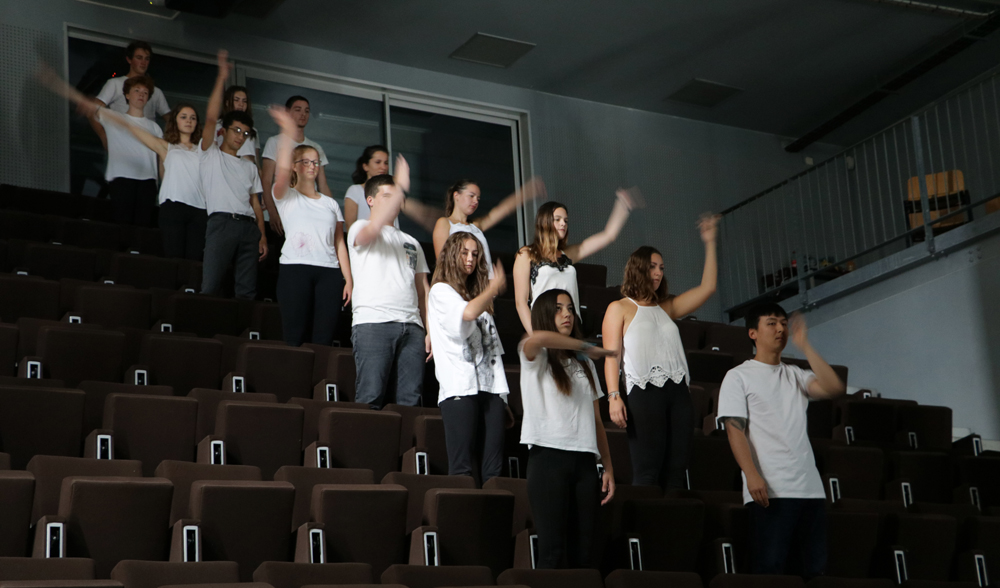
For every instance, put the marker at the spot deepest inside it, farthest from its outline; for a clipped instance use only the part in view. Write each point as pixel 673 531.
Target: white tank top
pixel 652 350
pixel 560 275
pixel 471 228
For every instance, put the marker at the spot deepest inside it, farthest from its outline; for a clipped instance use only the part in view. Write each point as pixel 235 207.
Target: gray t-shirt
pixel 228 182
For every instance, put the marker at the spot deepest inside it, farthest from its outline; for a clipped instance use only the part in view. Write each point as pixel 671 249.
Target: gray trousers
pixel 378 347
pixel 231 239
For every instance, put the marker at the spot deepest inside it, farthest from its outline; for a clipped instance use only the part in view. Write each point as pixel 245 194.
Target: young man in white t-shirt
pixel 298 107
pixel 138 55
pixel 763 404
pixel 389 299
pixel 231 186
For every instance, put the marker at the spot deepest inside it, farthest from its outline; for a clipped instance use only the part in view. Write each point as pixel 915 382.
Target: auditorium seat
pixel 152 428
pixel 231 345
pixel 352 533
pixel 594 301
pixel 55 570
pixel 40 421
pixel 245 522
pixel 643 579
pixel 8 350
pixel 321 359
pixel 25 296
pixel 409 414
pixel 208 406
pixel 297 575
pixel 418 485
pixel 207 316
pixel 155 574
pixel 183 474
pixel 712 465
pixel 835 582
pixel 522 505
pixel 728 339
pixel 551 578
pixel 25 226
pixel 50 471
pixel 74 354
pixel 676 551
pixel 872 421
pixel 266 320
pixel 852 540
pixel 357 439
pixel 111 519
pixel 113 306
pixel 285 371
pixel 146 240
pixel 472 526
pixel 929 541
pixel 859 470
pixel 929 474
pixel 930 425
pixel 621 458
pixel 591 274
pixel 144 271
pixel 98 392
pixel 437 576
pixel 266 435
pixel 88 233
pixel 182 362
pixel 28 330
pixel 708 366
pixel 52 262
pixel 304 479
pixel 313 408
pixel 983 473
pixel 755 581
pixel 16 491
pixel 4 461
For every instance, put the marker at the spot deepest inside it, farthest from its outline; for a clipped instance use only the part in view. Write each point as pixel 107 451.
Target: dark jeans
pixel 378 347
pixel 788 522
pixel 133 201
pixel 471 422
pixel 659 434
pixel 310 298
pixel 183 227
pixel 231 238
pixel 564 492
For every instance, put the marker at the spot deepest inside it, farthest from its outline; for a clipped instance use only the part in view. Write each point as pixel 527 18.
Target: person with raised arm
pixel 563 430
pixel 642 326
pixel 315 272
pixel 237 98
pixel 461 202
pixel 298 109
pixel 389 298
pixel 548 262
pixel 467 357
pixel 231 186
pixel 762 404
pixel 138 54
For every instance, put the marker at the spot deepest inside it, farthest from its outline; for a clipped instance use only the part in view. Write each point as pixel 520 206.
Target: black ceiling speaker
pixel 212 8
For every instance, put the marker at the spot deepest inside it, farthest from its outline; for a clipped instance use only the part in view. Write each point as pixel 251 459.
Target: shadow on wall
pixel 988 281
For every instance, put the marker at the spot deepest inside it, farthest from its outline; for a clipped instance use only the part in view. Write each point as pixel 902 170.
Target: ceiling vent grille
pixel 492 50
pixel 703 93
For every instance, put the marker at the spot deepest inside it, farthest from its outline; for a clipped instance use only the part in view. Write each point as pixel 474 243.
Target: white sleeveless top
pixel 471 228
pixel 652 350
pixel 560 275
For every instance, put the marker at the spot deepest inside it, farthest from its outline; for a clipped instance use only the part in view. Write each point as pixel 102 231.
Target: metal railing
pixel 867 202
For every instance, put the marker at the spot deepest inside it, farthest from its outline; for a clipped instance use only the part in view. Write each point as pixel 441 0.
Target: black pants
pixel 183 227
pixel 231 239
pixel 564 492
pixel 133 201
pixel 659 434
pixel 788 522
pixel 471 422
pixel 310 298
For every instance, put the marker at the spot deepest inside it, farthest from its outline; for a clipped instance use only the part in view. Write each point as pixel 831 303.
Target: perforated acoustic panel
pixel 33 123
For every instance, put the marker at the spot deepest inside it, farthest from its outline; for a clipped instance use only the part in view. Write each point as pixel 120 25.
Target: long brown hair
pixel 230 96
pixel 172 134
pixel 449 268
pixel 546 244
pixel 296 154
pixel 636 283
pixel 449 196
pixel 543 318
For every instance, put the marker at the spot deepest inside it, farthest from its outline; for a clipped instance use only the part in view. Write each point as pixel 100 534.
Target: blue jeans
pixel 788 522
pixel 378 348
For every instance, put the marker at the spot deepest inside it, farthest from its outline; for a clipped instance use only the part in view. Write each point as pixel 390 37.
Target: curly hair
pixel 172 134
pixel 449 268
pixel 546 244
pixel 296 154
pixel 636 283
pixel 543 318
pixel 449 196
pixel 144 81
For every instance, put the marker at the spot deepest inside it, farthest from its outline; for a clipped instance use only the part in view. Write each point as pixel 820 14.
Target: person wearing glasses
pixel 231 186
pixel 315 271
pixel 237 98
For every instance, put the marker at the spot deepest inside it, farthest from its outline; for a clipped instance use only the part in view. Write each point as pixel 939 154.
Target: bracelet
pixel 586 345
pixel 614 394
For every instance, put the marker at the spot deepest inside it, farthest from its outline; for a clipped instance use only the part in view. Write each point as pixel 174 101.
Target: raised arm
pixel 424 215
pixel 611 336
pixel 479 304
pixel 532 189
pixel 827 383
pixel 522 288
pixel 736 431
pixel 625 201
pixel 692 300
pixel 283 158
pixel 215 101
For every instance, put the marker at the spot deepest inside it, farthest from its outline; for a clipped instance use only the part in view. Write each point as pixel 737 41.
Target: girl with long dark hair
pixel 374 161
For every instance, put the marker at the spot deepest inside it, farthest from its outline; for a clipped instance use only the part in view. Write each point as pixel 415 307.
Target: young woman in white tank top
pixel 641 326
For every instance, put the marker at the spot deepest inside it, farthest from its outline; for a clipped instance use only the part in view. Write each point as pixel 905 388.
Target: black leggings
pixel 133 201
pixel 564 492
pixel 659 434
pixel 183 227
pixel 464 418
pixel 310 298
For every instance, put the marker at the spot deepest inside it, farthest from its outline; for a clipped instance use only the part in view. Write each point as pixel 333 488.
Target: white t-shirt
pixel 113 95
pixel 471 228
pixel 182 176
pixel 357 194
pixel 310 226
pixel 249 146
pixel 551 418
pixel 466 353
pixel 384 273
pixel 271 149
pixel 228 182
pixel 127 156
pixel 774 399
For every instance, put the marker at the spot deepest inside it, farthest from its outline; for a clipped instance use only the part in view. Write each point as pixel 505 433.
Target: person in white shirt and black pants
pixel 763 404
pixel 231 186
pixel 564 433
pixel 467 356
pixel 315 274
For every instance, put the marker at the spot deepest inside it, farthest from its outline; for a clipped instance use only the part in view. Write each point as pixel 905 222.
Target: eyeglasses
pixel 309 162
pixel 239 132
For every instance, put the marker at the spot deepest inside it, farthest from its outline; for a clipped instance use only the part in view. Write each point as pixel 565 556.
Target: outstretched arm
pixel 625 202
pixel 827 383
pixel 215 101
pixel 554 340
pixel 692 300
pixel 532 189
pixel 479 304
pixel 283 161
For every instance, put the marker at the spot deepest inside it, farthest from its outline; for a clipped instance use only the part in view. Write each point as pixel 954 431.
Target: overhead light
pixel 492 50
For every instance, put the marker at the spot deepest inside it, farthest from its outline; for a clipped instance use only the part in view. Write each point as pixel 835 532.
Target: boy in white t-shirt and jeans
pixel 763 404
pixel 389 299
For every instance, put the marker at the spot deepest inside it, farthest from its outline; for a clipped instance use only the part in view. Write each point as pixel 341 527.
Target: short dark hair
pixel 761 310
pixel 373 185
pixel 130 50
pixel 294 99
pixel 237 116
